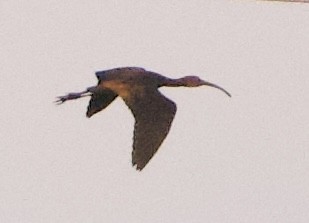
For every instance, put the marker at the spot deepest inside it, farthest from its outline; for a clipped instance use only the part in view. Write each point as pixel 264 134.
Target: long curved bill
pixel 216 86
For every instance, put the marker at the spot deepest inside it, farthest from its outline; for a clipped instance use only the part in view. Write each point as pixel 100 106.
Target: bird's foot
pixel 70 96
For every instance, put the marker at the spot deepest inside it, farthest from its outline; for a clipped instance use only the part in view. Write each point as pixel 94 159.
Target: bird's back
pixel 129 82
pixel 121 73
pixel 130 75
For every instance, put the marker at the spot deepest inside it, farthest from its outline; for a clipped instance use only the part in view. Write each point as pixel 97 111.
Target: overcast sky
pixel 240 159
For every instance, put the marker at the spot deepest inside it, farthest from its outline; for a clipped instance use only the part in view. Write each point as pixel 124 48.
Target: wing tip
pixel 89 114
pixel 138 167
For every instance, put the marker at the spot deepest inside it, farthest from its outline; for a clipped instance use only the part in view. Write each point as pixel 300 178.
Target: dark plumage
pixel 153 112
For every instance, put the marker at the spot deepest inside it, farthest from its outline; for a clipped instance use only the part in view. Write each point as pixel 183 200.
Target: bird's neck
pixel 171 82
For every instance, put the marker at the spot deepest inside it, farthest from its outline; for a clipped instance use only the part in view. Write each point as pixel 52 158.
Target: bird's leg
pixel 76 95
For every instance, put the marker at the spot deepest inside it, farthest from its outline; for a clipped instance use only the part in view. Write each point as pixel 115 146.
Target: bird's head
pixel 195 81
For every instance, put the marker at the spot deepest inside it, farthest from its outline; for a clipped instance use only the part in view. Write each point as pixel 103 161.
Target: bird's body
pixel 152 111
pixel 128 82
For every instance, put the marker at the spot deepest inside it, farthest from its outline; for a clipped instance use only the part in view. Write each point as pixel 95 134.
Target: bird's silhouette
pixel 153 112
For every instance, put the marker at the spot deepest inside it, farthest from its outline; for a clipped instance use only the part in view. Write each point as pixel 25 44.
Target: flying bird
pixel 153 112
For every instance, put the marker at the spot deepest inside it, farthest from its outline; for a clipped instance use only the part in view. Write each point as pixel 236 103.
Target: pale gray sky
pixel 243 159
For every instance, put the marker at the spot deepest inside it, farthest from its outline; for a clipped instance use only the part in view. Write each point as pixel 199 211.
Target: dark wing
pixel 99 101
pixel 153 114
